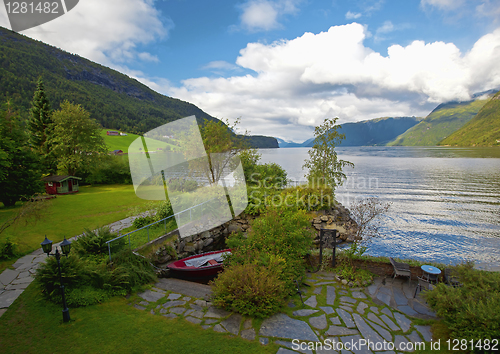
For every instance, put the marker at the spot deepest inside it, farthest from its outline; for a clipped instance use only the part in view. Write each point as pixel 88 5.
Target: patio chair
pixel 450 279
pixel 401 269
pixel 423 284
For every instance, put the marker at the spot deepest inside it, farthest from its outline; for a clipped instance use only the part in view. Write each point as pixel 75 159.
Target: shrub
pixel 250 289
pixel 261 270
pixel 8 250
pixel 471 311
pixel 142 221
pixel 94 242
pixel 90 279
pixel 73 271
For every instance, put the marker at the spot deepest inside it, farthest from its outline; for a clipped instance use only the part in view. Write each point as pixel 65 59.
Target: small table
pixel 431 273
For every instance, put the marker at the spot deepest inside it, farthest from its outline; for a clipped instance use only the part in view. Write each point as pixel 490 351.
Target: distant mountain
pixel 482 130
pixel 115 100
pixel 443 121
pixel 262 142
pixel 378 131
pixel 286 144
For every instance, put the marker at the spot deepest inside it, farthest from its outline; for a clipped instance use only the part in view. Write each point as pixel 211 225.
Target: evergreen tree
pixel 40 117
pixel 19 166
pixel 39 126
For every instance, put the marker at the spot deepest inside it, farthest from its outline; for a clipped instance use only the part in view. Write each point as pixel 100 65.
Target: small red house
pixel 112 132
pixel 56 184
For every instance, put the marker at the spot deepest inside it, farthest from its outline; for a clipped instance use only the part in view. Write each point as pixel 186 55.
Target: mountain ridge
pixel 114 99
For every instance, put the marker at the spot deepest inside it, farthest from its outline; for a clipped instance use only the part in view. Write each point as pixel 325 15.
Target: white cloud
pixel 443 4
pixel 262 15
pixel 107 32
pixel 299 82
pixel 352 15
pixel 148 57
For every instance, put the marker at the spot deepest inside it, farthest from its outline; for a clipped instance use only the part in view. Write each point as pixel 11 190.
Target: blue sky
pixel 282 66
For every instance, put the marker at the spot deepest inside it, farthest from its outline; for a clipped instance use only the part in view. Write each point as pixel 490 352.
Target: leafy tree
pixel 324 166
pixel 221 146
pixel 76 140
pixel 19 165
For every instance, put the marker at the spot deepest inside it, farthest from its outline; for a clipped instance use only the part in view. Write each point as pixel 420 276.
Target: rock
pixel 318 322
pixel 280 325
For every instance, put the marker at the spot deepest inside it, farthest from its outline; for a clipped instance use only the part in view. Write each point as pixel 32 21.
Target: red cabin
pixel 56 184
pixel 112 132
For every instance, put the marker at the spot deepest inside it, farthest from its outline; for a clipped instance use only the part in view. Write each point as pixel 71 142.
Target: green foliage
pixel 110 169
pixel 182 185
pixel 154 212
pixel 115 100
pixel 325 169
pixel 87 275
pixel 251 289
pixel 261 270
pixel 8 249
pixel 295 198
pixel 482 130
pixel 440 123
pixel 471 311
pixel 93 242
pixel 76 139
pixel 40 126
pixel 20 168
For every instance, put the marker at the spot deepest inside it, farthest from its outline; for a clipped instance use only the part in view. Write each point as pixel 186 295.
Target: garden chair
pixel 450 279
pixel 423 284
pixel 401 269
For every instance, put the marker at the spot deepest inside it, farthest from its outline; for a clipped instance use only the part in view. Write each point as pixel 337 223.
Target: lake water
pixel 445 201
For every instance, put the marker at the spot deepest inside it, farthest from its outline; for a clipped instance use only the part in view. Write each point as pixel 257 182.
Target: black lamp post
pixel 66 248
pixel 329 238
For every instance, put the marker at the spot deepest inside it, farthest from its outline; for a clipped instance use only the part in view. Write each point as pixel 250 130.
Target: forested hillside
pixel 113 99
pixel 440 123
pixel 482 130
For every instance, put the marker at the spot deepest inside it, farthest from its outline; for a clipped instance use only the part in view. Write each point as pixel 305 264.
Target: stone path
pixel 13 282
pixel 332 314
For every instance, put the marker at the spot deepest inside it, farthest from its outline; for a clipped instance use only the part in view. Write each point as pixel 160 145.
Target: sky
pixel 283 66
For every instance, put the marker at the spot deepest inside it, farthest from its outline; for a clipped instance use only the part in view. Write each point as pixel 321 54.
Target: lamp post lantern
pixel 66 248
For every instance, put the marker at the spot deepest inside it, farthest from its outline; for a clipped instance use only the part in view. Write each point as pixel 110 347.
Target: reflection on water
pixel 445 201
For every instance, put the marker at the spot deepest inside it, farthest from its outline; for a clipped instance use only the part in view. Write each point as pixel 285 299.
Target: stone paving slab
pixel 376 327
pixel 200 291
pixel 8 275
pixel 8 297
pixel 282 326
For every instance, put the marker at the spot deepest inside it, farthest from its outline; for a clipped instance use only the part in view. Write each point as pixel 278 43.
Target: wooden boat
pixel 199 266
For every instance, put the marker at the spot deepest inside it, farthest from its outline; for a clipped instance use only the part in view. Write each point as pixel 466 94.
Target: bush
pixel 250 289
pixel 260 273
pixel 89 278
pixel 471 311
pixel 8 250
pixel 94 242
pixel 111 170
pixel 295 198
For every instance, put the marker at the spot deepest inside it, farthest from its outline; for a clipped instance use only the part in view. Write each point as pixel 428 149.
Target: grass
pixel 32 325
pixel 482 130
pixel 119 142
pixel 68 215
pixel 439 124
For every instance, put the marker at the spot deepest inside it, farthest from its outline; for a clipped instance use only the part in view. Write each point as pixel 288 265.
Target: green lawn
pixel 32 325
pixel 68 215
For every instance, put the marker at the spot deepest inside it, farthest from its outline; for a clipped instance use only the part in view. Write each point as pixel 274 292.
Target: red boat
pixel 199 266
